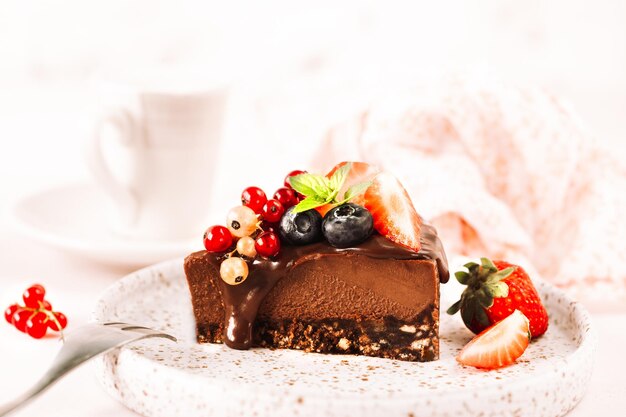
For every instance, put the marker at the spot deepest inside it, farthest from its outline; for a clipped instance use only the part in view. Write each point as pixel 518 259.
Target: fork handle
pixel 64 363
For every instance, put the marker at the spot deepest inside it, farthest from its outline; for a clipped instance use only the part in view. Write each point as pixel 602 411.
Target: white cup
pixel 153 152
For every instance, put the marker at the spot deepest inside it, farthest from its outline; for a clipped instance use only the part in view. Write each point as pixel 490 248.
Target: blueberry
pixel 347 225
pixel 300 228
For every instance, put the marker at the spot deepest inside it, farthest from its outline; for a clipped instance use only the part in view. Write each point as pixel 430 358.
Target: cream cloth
pixel 503 172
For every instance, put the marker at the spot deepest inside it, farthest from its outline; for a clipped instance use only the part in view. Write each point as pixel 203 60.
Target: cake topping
pixel 267 244
pixel 241 221
pixel 347 225
pixel 246 247
pixel 286 196
pixel 234 270
pixel 393 212
pixel 301 228
pixel 272 211
pixel 292 174
pixel 254 198
pixel 217 239
pixel 320 190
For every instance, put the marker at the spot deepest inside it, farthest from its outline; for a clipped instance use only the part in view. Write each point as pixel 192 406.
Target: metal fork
pixel 81 345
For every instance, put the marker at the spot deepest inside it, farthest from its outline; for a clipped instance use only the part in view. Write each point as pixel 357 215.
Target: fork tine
pixel 140 329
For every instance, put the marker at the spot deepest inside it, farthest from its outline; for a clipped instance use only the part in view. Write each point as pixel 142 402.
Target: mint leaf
pixel 339 177
pixel 308 204
pixel 356 189
pixel 311 185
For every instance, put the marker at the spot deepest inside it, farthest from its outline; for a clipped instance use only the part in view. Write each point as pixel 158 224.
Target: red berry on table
pixel 272 211
pixel 286 196
pixel 494 290
pixel 34 295
pixel 499 345
pixel 10 311
pixel 292 174
pixel 393 211
pixel 20 317
pixel 60 317
pixel 217 239
pixel 36 326
pixel 254 198
pixel 267 244
pixel 241 221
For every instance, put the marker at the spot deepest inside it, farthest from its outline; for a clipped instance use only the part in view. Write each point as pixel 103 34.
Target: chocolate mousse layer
pixel 377 299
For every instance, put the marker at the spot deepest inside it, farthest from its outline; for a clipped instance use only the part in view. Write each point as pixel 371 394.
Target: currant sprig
pixel 36 316
pixel 251 230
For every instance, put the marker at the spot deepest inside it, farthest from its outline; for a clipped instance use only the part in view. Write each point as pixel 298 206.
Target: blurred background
pixel 294 69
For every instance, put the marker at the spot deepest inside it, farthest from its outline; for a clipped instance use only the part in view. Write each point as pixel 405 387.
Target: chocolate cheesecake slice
pixel 375 299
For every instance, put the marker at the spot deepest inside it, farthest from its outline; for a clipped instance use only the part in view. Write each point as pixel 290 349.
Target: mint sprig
pixel 320 190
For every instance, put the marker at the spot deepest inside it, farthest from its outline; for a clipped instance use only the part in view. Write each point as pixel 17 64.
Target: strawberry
pixel 494 290
pixel 499 345
pixel 392 210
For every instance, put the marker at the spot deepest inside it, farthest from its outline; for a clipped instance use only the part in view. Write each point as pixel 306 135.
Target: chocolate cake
pixel 377 299
pixel 373 297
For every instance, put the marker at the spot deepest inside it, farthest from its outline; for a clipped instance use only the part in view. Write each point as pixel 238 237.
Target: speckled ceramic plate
pixel 162 378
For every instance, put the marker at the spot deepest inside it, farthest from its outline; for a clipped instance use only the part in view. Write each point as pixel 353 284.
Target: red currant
pixel 217 239
pixel 60 318
pixel 20 317
pixel 254 198
pixel 8 313
pixel 269 227
pixel 267 244
pixel 286 197
pixel 272 211
pixel 45 304
pixel 36 326
pixel 33 295
pixel 292 174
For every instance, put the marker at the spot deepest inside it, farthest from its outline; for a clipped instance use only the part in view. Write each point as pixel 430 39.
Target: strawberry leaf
pixel 454 308
pixel 462 277
pixel 484 297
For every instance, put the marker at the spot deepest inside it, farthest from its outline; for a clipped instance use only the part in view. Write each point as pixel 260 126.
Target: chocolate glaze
pixel 241 302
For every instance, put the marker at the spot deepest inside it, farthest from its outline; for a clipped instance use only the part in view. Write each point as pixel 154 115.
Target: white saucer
pixel 74 217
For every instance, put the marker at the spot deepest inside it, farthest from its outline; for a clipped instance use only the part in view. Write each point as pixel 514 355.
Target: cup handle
pixel 124 196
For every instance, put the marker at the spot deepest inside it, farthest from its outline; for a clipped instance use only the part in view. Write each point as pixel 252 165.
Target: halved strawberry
pixel 499 345
pixel 393 211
